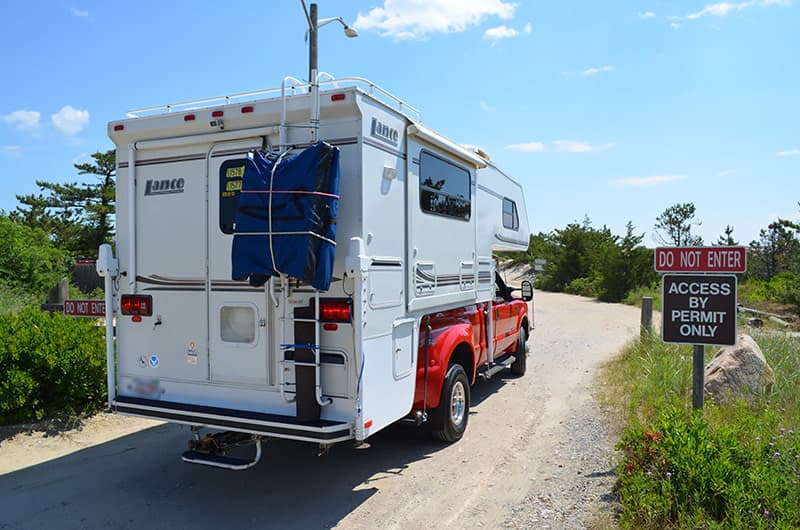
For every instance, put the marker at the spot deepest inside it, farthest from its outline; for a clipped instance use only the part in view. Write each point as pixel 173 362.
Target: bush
pixel 28 258
pixel 785 288
pixel 735 465
pixel 583 287
pixel 50 365
pixel 682 472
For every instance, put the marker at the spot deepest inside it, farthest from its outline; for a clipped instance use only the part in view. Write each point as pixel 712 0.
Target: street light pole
pixel 312 43
pixel 313 70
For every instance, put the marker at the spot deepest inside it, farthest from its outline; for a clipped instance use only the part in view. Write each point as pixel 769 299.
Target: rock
pixel 738 370
pixel 755 322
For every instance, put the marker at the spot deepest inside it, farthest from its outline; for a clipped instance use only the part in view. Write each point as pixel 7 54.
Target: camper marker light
pixel 334 311
pixel 330 326
pixel 337 97
pixel 119 127
pixel 247 109
pixel 137 304
pixel 217 114
pixel 188 117
pixel 368 424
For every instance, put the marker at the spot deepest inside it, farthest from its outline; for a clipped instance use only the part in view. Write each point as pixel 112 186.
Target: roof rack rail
pixel 364 84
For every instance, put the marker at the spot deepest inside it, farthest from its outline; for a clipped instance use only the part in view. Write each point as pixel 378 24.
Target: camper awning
pixel 286 220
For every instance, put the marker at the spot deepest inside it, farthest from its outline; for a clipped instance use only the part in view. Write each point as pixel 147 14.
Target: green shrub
pixel 785 288
pixel 583 287
pixel 28 258
pixel 735 465
pixel 683 472
pixel 50 365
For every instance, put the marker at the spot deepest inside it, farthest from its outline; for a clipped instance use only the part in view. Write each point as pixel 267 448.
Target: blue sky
pixel 613 110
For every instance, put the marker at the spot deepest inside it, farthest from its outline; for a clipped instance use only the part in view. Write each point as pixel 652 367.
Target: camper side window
pixel 444 188
pixel 510 217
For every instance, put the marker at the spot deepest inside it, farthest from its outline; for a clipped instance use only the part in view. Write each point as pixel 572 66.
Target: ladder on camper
pixel 284 345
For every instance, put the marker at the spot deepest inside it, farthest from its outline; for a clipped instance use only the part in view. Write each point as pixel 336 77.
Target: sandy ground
pixel 535 455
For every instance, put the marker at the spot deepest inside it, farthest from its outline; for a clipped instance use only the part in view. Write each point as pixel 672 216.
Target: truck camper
pixel 309 262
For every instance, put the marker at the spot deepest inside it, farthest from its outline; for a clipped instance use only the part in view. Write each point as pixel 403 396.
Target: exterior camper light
pixel 137 305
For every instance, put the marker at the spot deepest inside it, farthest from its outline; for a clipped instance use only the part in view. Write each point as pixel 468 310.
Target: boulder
pixel 738 370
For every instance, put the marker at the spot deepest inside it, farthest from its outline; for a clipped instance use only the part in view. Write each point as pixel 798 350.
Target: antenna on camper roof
pixel 313 70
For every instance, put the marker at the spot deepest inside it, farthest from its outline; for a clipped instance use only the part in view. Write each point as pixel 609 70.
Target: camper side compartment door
pixel 238 347
pixel 441 229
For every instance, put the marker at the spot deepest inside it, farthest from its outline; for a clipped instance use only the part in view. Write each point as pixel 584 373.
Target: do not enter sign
pixel 85 308
pixel 699 309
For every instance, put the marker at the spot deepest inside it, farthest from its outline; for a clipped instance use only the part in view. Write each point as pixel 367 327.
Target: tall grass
pixel 733 465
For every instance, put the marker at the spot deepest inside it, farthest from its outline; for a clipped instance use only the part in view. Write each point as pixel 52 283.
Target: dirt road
pixel 534 455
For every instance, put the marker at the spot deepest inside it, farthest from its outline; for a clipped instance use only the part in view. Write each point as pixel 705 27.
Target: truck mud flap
pixel 259 423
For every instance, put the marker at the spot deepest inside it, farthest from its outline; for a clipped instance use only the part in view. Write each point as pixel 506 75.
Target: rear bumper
pixel 273 425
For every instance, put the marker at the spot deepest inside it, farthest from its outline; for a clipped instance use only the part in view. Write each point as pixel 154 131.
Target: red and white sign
pixel 700 259
pixel 85 308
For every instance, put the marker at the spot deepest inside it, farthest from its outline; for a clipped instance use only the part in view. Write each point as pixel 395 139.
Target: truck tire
pixel 519 366
pixel 450 418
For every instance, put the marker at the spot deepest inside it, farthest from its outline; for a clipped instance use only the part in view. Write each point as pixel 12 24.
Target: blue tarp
pixel 305 195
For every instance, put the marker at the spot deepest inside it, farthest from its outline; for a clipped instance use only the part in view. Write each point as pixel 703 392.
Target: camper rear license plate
pixel 147 387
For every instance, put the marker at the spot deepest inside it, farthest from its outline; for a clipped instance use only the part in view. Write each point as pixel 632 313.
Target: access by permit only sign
pixel 699 309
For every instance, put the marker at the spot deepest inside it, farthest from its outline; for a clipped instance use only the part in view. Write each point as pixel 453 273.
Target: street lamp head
pixel 350 32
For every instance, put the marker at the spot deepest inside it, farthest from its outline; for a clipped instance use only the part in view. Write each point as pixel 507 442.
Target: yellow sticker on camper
pixel 234 185
pixel 235 172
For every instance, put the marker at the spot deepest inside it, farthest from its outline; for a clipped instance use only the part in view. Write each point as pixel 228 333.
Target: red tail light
pixel 335 311
pixel 137 304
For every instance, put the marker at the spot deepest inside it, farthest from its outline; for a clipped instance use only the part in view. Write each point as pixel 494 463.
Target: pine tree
pixel 77 216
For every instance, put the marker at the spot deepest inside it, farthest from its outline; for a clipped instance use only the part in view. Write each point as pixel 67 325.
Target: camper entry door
pixel 238 347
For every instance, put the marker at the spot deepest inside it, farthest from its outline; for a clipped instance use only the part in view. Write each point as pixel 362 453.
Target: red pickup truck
pixel 454 352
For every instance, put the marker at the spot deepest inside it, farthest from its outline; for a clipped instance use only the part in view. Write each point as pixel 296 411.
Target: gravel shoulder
pixel 536 455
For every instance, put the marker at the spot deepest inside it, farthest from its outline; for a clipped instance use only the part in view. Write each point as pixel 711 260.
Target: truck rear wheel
pixel 519 366
pixel 450 418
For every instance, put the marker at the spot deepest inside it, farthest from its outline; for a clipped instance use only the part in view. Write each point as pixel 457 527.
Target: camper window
pixel 444 188
pixel 237 324
pixel 510 217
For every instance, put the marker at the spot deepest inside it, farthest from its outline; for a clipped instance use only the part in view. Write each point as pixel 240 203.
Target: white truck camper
pixel 277 255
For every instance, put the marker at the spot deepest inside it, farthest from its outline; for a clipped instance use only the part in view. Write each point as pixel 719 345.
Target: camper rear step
pixel 256 423
pixel 211 450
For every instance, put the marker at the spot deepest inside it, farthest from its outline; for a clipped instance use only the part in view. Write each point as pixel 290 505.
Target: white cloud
pixel 675 25
pixel 530 147
pixel 527 28
pixel 486 107
pixel 572 146
pixel 70 121
pixel 593 71
pixel 79 12
pixel 726 173
pixel 25 120
pixel 647 181
pixel 500 32
pixel 560 146
pixel 11 150
pixel 722 9
pixel 790 152
pixel 647 14
pixel 416 19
